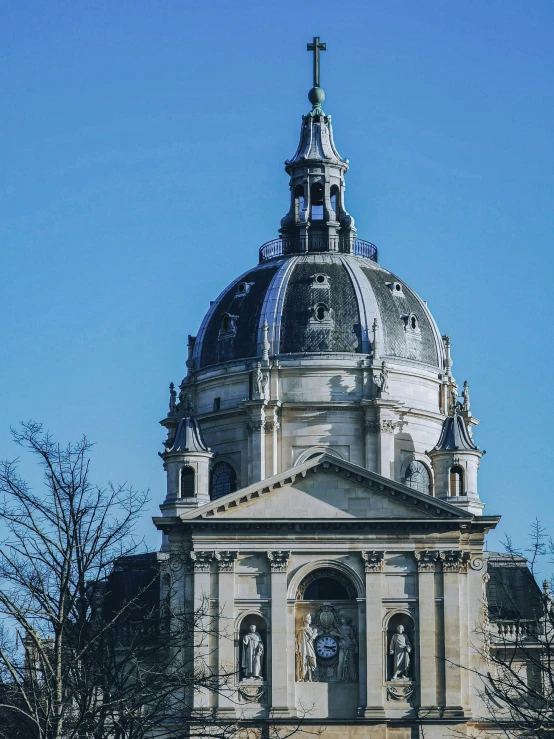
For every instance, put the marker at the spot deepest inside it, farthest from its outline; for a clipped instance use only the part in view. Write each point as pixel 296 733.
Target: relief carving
pixel 426 560
pixel 454 560
pixel 278 560
pixel 226 560
pixel 201 561
pixel 373 561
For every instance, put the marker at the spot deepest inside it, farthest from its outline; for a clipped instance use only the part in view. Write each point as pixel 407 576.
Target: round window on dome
pixel 320 279
pixel 241 287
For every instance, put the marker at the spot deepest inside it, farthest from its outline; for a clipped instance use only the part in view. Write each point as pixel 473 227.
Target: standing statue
pixel 454 398
pixel 465 396
pixel 252 653
pixel 172 397
pixel 347 670
pixel 258 379
pixel 400 648
pixel 305 653
pixel 381 379
pixel 263 384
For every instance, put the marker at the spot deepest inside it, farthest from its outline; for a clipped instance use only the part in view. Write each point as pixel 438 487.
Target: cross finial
pixel 316 47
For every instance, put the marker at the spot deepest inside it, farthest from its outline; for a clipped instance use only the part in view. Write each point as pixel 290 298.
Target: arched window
pixel 224 480
pixel 187 482
pixel 418 477
pixel 317 202
pixel 326 588
pixel 335 201
pixel 456 481
pixel 326 584
pixel 298 201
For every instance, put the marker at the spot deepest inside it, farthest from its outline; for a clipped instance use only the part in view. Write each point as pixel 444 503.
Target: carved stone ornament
pixel 388 426
pixel 252 693
pixel 373 561
pixel 454 560
pixel 226 560
pixel 278 560
pixel 201 561
pixel 426 560
pixel 477 563
pixel 399 692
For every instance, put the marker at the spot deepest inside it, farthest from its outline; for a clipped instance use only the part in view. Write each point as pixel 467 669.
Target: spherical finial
pixel 316 96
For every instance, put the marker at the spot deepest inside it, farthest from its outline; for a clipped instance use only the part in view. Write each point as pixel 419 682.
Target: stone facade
pixel 336 527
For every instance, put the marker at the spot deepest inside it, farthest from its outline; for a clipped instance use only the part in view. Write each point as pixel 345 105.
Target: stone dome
pixel 319 304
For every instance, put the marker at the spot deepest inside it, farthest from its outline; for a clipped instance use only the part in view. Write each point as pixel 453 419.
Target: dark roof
pixel 188 437
pixel 454 435
pixel 283 291
pixel 512 591
pixel 134 579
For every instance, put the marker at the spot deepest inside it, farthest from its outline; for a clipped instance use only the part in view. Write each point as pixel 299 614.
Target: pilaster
pixel 454 566
pixel 226 631
pixel 256 428
pixel 428 658
pixel 202 564
pixel 280 654
pixel 373 564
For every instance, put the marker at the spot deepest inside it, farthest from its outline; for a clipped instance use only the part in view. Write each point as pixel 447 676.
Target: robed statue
pixel 347 669
pixel 400 648
pixel 306 662
pixel 252 653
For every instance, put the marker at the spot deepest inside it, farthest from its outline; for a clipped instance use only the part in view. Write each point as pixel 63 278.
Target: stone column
pixel 279 561
pixel 373 561
pixel 226 631
pixel 426 561
pixel 202 563
pixel 454 566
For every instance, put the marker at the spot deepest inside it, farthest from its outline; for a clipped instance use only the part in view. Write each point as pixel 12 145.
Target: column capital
pixel 373 560
pixel 454 560
pixel 226 560
pixel 278 560
pixel 201 561
pixel 426 559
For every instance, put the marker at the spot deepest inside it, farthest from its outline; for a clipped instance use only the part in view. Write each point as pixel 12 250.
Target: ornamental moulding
pixel 226 560
pixel 426 560
pixel 201 561
pixel 454 560
pixel 278 560
pixel 373 561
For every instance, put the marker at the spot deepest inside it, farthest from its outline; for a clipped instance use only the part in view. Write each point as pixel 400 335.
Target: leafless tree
pixel 517 684
pixel 85 652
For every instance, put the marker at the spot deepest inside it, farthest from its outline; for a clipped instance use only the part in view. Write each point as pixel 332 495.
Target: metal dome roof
pixel 318 303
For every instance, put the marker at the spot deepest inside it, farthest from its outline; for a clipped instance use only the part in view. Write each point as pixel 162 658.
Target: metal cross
pixel 316 47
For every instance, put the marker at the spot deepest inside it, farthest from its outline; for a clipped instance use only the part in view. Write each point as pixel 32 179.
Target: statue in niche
pixel 252 653
pixel 305 653
pixel 347 670
pixel 400 648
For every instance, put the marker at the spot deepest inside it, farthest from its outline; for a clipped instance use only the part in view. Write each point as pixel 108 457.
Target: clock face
pixel 326 647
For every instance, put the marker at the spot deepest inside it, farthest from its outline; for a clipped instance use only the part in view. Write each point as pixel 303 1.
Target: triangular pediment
pixel 328 488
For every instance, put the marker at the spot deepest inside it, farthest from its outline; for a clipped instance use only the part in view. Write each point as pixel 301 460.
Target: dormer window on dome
pixel 320 280
pixel 228 326
pixel 243 288
pixel 411 323
pixel 396 289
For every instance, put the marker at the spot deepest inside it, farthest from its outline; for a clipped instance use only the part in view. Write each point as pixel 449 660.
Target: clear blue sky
pixel 142 166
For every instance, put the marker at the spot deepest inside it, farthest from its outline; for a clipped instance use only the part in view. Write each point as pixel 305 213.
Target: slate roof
pixel 283 292
pixel 455 435
pixel 512 591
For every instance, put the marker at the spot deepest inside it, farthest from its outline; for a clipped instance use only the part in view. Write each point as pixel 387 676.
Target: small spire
pixel 316 96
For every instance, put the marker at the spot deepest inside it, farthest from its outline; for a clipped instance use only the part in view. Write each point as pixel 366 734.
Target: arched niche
pixel 327 626
pixel 243 628
pixel 406 621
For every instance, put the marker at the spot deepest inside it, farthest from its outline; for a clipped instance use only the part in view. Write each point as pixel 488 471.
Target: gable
pixel 326 487
pixel 322 496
